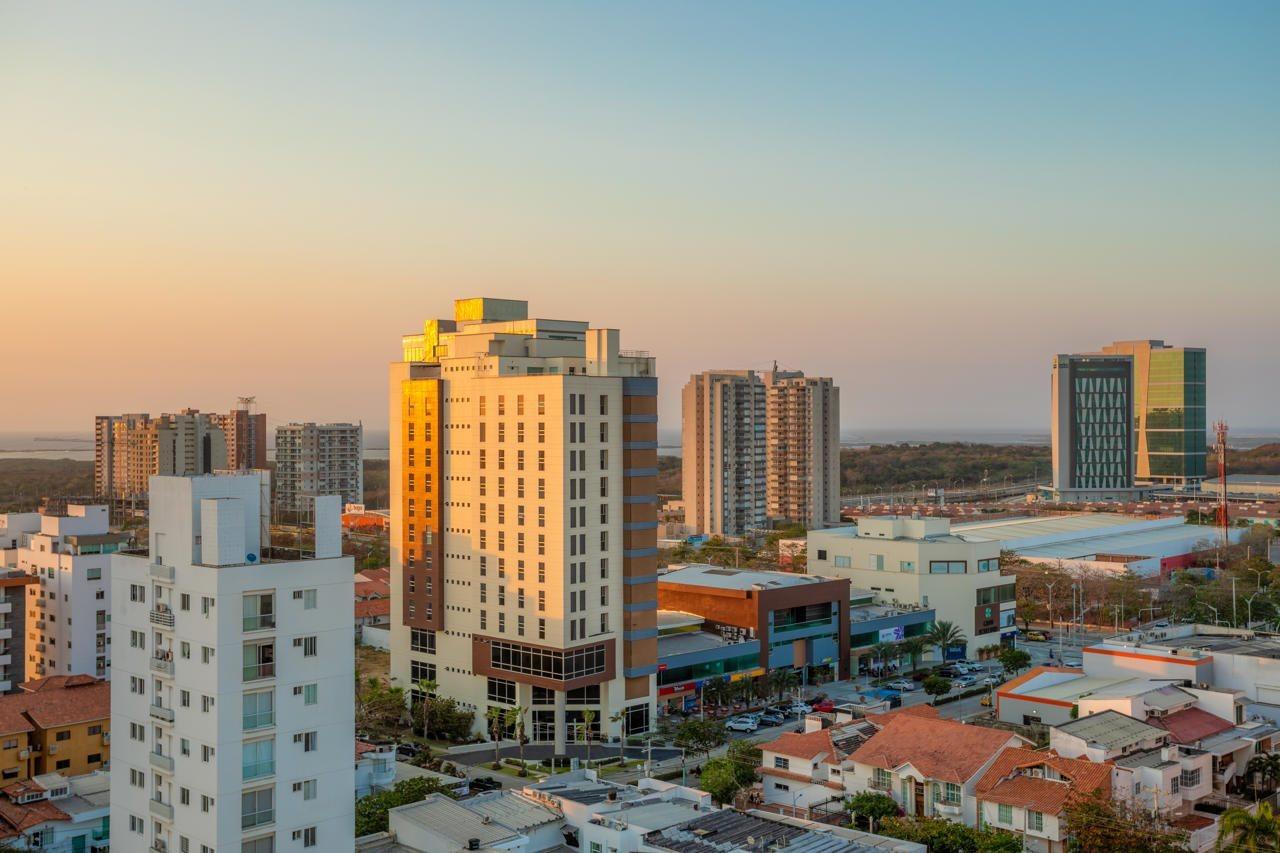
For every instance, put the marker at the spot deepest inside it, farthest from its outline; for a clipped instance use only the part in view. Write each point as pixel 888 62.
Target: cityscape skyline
pixel 886 195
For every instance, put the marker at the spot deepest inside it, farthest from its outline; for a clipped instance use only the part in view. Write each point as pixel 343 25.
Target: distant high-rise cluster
pixel 129 449
pixel 318 459
pixel 760 448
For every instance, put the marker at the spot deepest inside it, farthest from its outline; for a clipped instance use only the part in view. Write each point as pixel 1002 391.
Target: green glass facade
pixel 1171 420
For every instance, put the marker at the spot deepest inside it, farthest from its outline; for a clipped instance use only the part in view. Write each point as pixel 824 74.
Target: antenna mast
pixel 1220 446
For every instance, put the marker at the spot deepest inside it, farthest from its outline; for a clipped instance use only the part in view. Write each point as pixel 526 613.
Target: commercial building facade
pixel 921 562
pixel 232 694
pixel 1170 423
pixel 524 518
pixel 759 448
pixel 318 459
pixel 1092 427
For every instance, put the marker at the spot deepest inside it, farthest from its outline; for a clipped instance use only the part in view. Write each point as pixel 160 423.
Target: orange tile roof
pixel 56 706
pixel 1190 724
pixel 807 745
pixel 940 749
pixel 56 682
pixel 383 575
pixel 373 607
pixel 16 819
pixel 921 710
pixel 372 589
pixel 1006 781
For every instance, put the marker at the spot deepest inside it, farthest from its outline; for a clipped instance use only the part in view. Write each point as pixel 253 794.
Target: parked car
pixel 1037 636
pixel 823 706
pixel 799 708
pixel 964 681
pixel 481 784
pixel 772 718
pixel 903 684
pixel 406 751
pixel 742 724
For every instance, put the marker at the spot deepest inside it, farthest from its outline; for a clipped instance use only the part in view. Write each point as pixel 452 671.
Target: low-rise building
pixel 922 562
pixel 54 812
pixel 930 767
pixel 375 767
pixel 729 831
pixel 55 725
pixel 1028 792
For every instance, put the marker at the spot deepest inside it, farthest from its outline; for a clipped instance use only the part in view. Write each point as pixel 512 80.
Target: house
pixel 498 820
pixel 929 766
pixel 803 770
pixel 59 724
pixel 375 767
pixel 1028 792
pixel 54 812
pixel 1105 736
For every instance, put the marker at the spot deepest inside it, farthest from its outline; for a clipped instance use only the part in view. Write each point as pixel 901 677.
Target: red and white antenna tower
pixel 1220 446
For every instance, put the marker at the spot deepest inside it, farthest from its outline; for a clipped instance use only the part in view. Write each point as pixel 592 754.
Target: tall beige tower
pixel 524 519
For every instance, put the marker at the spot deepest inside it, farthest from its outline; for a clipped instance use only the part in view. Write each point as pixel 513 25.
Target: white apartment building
pixel 233 703
pixel 318 459
pixel 524 519
pixel 68 611
pixel 759 447
pixel 920 561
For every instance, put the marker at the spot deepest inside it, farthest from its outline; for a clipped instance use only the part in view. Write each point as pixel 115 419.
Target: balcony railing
pixel 260 720
pixel 161 809
pixel 162 762
pixel 259 671
pixel 160 571
pixel 162 616
pixel 797 626
pixel 249 820
pixel 258 769
pixel 261 622
pixel 160 712
pixel 163 664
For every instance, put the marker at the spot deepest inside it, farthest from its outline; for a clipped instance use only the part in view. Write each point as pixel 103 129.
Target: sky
pixel 925 201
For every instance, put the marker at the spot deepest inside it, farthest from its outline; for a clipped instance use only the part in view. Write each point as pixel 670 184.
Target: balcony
pixel 42 603
pixel 163 665
pixel 161 572
pixel 41 624
pixel 6 606
pixel 6 633
pixel 945 808
pixel 258 770
pixel 161 809
pixel 40 647
pixel 160 845
pixel 162 762
pixel 257 672
pixel 160 712
pixel 260 720
pixel 161 615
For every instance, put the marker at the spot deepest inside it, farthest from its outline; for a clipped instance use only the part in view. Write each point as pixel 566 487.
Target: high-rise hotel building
pixel 523 519
pixel 760 448
pixel 1169 420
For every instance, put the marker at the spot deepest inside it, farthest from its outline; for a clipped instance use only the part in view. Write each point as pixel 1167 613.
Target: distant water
pixel 46 444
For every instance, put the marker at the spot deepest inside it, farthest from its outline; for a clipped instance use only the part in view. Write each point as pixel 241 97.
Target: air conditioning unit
pixel 24 754
pixel 53 749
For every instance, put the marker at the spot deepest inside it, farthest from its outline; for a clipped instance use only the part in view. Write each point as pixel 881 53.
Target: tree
pixel 588 719
pixel 881 652
pixel 945 635
pixel 371 811
pixel 1240 829
pixel 1096 822
pixel 378 707
pixel 914 648
pixel 936 685
pixel 783 680
pixel 701 735
pixel 745 756
pixel 1014 660
pixel 515 721
pixel 497 718
pixel 720 779
pixel 1264 769
pixel 872 805
pixel 943 836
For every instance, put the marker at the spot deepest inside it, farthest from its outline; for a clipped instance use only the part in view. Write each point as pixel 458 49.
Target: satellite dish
pixel 251 558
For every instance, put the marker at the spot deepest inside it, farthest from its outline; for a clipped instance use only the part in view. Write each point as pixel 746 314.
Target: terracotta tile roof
pixel 1006 781
pixel 921 710
pixel 382 575
pixel 54 706
pixel 12 719
pixel 363 746
pixel 807 745
pixel 16 819
pixel 1190 724
pixel 374 607
pixel 940 749
pixel 372 589
pixel 1191 822
pixel 56 682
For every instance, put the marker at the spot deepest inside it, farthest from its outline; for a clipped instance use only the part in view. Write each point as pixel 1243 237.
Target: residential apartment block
pixel 922 562
pixel 130 449
pixel 318 459
pixel 13 627
pixel 232 694
pixel 68 607
pixel 523 519
pixel 759 448
pixel 1169 419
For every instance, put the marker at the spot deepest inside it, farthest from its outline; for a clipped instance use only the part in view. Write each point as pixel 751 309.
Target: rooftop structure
pixel 1106 735
pixel 728 831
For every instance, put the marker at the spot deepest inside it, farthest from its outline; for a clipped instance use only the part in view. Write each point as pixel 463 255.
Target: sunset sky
pixel 924 200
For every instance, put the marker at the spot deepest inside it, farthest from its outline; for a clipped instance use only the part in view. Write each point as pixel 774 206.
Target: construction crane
pixel 1220 446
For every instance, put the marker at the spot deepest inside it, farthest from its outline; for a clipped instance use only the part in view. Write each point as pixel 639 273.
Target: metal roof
pixel 1111 730
pixel 702 574
pixel 491 818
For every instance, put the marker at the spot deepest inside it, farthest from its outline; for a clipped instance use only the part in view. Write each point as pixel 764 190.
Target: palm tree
pixel 784 680
pixel 1264 768
pixel 945 635
pixel 880 652
pixel 514 718
pixel 497 717
pixel 914 648
pixel 1239 829
pixel 588 717
pixel 426 689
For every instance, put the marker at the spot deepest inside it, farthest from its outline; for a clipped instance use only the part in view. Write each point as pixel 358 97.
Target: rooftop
pixel 703 574
pixel 728 831
pixel 1111 730
pixel 940 749
pixel 687 642
pixel 1041 781
pixel 72 701
pixel 492 818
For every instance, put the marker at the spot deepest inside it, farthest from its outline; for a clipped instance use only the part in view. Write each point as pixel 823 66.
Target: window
pixel 206 753
pixel 1035 821
pixel 137 593
pixel 1004 814
pixel 781 763
pixel 501 690
pixel 822 554
pixel 257 808
pixel 206 703
pixel 307 788
pixel 206 654
pixel 307 597
pixel 947 792
pixel 308 740
pixel 842 561
pixel 310 693
pixel 947 567
pixel 422 641
pixel 306 835
pixel 258 710
pixel 307 644
pixel 990 565
pixel 881 779
pixel 1190 778
pixel 259 661
pixel 906 566
pixel 266 844
pixel 257 759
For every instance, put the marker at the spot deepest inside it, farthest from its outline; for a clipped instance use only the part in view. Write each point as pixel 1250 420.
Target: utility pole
pixel 1235 621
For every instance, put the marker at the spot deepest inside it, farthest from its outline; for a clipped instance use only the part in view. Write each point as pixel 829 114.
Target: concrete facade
pixel 318 459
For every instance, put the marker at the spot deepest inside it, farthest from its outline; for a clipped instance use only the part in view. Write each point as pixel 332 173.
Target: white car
pixel 742 724
pixel 903 684
pixel 799 709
